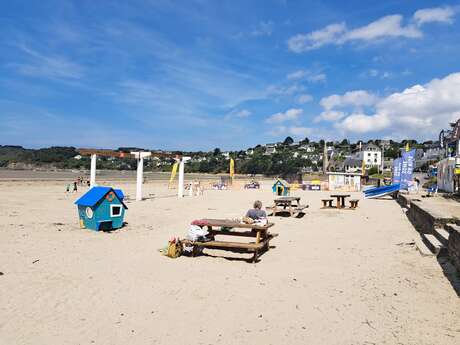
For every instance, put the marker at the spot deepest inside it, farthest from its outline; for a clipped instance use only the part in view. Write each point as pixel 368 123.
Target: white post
pixel 140 177
pixel 382 158
pixel 140 172
pixel 180 190
pixel 92 178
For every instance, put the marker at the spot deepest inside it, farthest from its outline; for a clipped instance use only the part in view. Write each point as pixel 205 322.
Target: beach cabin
pixel 344 182
pixel 101 208
pixel 281 187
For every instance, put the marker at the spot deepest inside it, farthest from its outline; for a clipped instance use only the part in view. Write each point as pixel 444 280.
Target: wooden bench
pixel 257 248
pixel 354 203
pixel 260 233
pixel 327 203
pixel 287 204
pixel 300 208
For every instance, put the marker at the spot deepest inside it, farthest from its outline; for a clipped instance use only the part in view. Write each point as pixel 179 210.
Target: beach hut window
pixel 115 210
pixel 89 212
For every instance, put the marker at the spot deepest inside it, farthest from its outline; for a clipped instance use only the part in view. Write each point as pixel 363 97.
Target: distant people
pixel 75 189
pixel 417 183
pixel 67 188
pixel 256 213
pixel 88 183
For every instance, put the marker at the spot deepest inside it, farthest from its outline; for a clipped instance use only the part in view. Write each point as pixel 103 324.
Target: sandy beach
pixel 333 276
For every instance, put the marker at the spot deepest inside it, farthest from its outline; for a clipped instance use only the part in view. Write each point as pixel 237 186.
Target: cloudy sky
pixel 198 74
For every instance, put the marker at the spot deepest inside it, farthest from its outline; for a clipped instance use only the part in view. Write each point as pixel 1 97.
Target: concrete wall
pixel 425 221
pixel 454 245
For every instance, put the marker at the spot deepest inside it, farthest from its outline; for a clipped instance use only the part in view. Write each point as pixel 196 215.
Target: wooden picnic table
pixel 259 232
pixel 289 204
pixel 340 199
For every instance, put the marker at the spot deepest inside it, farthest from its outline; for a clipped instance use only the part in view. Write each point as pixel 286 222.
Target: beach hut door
pixel 105 225
pixel 279 190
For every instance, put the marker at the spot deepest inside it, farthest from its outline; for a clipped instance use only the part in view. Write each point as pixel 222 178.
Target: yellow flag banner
pixel 173 173
pixel 407 147
pixel 232 168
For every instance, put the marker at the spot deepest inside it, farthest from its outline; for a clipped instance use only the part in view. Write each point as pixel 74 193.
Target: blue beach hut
pixel 101 208
pixel 281 187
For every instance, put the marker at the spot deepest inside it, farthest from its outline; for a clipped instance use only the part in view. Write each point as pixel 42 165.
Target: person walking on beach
pixel 67 189
pixel 417 183
pixel 75 189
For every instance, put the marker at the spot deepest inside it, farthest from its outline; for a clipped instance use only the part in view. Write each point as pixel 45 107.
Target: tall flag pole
pixel 232 169
pixel 173 174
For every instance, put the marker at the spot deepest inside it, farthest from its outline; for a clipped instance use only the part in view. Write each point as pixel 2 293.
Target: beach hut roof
pixel 95 194
pixel 284 182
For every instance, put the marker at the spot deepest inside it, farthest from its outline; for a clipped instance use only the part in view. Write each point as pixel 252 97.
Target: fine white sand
pixel 335 277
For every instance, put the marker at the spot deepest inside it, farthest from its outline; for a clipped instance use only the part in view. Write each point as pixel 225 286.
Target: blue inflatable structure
pixel 381 191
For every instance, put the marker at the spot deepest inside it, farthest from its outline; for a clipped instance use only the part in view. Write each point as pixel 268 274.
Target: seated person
pixel 256 213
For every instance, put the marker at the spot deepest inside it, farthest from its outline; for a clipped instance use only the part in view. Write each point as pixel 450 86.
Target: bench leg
pixel 254 258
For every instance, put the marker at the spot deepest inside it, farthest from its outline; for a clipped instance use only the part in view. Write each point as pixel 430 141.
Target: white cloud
pixel 330 115
pixel 375 73
pixel 304 98
pixel 390 26
pixel 361 123
pixel 289 115
pixel 435 14
pixel 299 74
pixel 295 131
pixel 357 98
pixel 49 66
pixel 285 90
pixel 316 39
pixel 243 113
pixel 307 75
pixel 421 110
pixel 263 29
pixel 300 131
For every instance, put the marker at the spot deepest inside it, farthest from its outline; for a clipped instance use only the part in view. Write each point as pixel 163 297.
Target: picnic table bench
pixel 327 203
pixel 288 204
pixel 220 227
pixel 340 199
pixel 354 203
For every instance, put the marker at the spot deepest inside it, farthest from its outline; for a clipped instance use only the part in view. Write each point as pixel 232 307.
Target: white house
pixel 371 154
pixel 270 149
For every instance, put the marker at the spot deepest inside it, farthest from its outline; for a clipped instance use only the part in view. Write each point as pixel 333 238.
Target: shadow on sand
pixel 450 273
pixel 239 251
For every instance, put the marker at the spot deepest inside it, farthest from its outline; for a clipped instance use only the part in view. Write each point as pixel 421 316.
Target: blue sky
pixel 197 74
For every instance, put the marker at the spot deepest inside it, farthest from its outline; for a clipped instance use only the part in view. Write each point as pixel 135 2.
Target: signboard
pixel 314 187
pixel 397 170
pixel 407 168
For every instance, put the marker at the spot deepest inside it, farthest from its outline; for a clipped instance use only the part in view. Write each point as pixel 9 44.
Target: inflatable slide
pixel 377 192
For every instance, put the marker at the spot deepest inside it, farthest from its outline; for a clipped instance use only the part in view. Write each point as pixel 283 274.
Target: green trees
pixel 288 141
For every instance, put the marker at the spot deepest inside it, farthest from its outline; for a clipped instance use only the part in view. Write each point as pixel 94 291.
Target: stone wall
pixel 454 244
pixel 425 221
